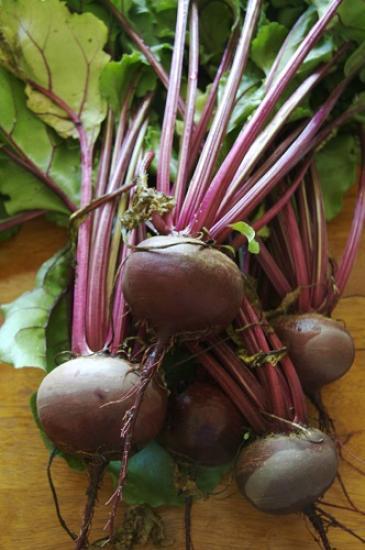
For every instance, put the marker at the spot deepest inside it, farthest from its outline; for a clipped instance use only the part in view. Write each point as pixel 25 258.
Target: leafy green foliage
pixel 117 76
pixel 41 151
pixel 61 52
pixel 320 53
pixel 249 96
pixel 246 230
pixel 266 45
pixel 217 18
pixel 337 163
pixel 153 478
pixel 32 318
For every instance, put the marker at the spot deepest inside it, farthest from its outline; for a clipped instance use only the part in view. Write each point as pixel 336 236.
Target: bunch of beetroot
pixel 164 259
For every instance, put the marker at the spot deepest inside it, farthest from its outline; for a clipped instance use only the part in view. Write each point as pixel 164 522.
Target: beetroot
pixel 81 405
pixel 283 474
pixel 204 425
pixel 180 284
pixel 321 349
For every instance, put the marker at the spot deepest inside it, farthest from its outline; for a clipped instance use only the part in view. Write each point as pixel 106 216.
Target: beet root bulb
pixel 204 425
pixel 321 349
pixel 81 405
pixel 283 474
pixel 179 284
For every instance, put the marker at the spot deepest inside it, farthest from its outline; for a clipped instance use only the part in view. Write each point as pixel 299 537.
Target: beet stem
pixel 283 200
pixel 212 145
pixel 97 300
pixel 276 393
pixel 96 471
pixel 79 344
pixel 273 271
pixel 280 148
pixel 255 124
pixel 266 137
pixel 320 259
pixel 354 239
pixel 185 149
pixel 149 368
pixel 207 112
pixel 169 120
pixel 52 487
pixel 296 250
pixel 142 46
pixel 237 395
pixel 296 151
pixel 22 217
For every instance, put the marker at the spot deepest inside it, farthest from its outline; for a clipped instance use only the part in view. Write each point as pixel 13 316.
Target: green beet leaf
pixel 117 76
pixel 42 42
pixel 337 163
pixel 248 231
pixel 249 96
pixel 29 318
pixel 31 155
pixel 266 45
pixel 151 478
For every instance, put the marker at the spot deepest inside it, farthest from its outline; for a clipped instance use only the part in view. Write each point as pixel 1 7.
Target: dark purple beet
pixel 321 349
pixel 204 425
pixel 283 474
pixel 179 285
pixel 70 399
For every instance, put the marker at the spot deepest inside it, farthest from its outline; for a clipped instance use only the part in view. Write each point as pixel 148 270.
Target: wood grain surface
pixel 27 517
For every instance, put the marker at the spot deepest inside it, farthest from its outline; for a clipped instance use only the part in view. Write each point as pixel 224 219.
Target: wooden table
pixel 28 520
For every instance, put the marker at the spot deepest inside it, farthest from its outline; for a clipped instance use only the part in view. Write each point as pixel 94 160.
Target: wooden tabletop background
pixel 27 517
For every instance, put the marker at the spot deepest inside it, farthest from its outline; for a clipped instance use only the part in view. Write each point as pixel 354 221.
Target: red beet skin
pixel 204 425
pixel 70 403
pixel 283 474
pixel 179 285
pixel 321 349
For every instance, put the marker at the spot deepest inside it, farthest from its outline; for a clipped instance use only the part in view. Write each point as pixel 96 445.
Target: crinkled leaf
pixel 117 76
pixel 153 19
pixel 43 42
pixel 23 335
pixel 28 137
pixel 151 478
pixel 248 231
pixel 72 461
pixel 337 163
pixel 266 45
